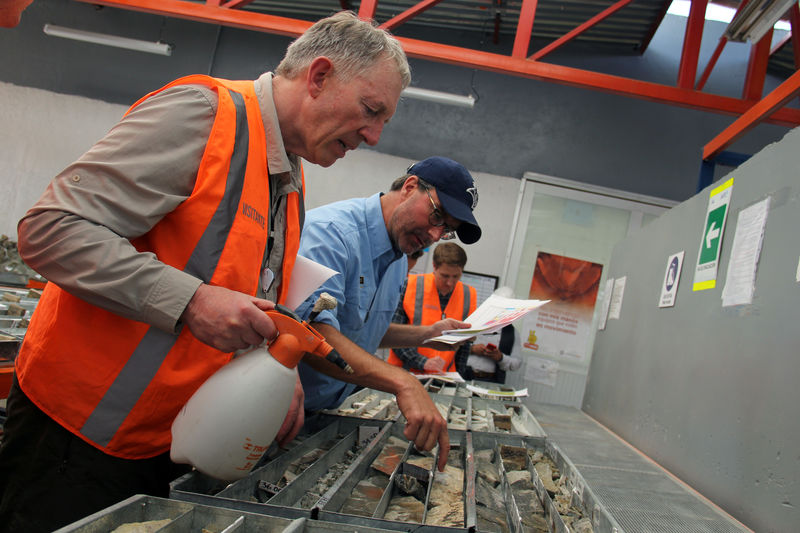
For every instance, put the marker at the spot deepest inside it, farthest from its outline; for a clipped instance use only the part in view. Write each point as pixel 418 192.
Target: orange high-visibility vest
pixel 117 383
pixel 422 306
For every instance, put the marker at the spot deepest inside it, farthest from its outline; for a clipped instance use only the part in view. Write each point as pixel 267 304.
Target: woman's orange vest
pixel 422 306
pixel 117 383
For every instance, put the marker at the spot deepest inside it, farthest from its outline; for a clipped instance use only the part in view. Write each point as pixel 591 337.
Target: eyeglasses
pixel 436 219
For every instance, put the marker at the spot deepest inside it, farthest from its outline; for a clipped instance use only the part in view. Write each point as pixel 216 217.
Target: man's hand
pixel 437 328
pixel 228 320
pixel 481 349
pixel 294 418
pixel 424 424
pixel 434 364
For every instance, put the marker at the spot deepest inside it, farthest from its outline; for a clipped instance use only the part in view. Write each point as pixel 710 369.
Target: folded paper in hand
pixel 492 315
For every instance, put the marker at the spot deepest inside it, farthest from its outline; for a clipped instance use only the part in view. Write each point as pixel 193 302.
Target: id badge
pixel 267 277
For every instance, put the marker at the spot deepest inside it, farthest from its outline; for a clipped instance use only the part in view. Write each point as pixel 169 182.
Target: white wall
pixel 42 132
pixel 365 172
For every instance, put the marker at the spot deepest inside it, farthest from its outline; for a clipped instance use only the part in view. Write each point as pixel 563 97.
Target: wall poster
pixel 562 327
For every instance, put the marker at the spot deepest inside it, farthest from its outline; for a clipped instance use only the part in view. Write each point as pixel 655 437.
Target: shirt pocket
pixel 356 311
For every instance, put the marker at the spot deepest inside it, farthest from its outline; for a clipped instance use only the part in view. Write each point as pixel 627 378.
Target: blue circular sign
pixel 672 273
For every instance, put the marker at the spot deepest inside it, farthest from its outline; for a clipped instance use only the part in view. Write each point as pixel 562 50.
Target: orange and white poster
pixel 562 327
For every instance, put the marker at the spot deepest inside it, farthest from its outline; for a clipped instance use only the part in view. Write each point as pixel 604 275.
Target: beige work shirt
pixel 79 230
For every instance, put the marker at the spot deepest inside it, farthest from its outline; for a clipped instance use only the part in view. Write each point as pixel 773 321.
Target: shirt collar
pixel 380 242
pixel 278 160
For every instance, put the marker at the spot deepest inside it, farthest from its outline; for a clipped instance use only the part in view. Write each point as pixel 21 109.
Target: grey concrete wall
pixel 711 393
pixel 517 124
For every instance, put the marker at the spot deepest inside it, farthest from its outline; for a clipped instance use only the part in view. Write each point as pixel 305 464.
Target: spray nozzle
pixel 295 337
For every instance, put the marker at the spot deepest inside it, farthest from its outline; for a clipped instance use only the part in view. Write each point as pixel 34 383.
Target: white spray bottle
pixel 230 421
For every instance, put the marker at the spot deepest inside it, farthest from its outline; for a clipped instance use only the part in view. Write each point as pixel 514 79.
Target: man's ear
pixel 319 72
pixel 410 185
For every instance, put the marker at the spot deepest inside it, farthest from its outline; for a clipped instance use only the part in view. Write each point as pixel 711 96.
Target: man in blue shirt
pixel 366 240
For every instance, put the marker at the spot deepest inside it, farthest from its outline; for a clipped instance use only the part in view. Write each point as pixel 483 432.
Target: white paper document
pixel 601 324
pixel 449 377
pixel 307 276
pixel 497 392
pixel 741 277
pixel 494 313
pixel 616 297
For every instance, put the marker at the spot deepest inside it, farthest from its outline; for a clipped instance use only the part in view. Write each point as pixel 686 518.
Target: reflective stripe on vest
pixel 414 306
pixel 148 356
pixel 467 302
pixel 117 383
pixel 419 296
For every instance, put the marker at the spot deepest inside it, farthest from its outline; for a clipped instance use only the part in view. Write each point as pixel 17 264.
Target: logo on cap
pixel 473 192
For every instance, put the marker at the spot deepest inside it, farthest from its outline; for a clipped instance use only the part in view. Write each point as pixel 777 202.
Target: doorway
pixel 561 244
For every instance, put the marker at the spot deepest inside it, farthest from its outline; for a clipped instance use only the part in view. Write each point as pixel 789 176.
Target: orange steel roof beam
pixel 580 29
pixel 209 14
pixel 522 40
pixel 715 56
pixel 409 14
pixel 711 62
pixel 692 38
pixel 467 58
pixel 231 4
pixel 754 116
pixel 367 9
pixel 538 70
pixel 757 68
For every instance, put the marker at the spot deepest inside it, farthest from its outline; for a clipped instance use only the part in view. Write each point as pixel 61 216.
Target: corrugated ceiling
pixel 628 29
pixel 524 29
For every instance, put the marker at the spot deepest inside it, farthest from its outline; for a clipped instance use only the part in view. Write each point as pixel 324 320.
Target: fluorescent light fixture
pixel 439 97
pixel 163 49
pixel 756 19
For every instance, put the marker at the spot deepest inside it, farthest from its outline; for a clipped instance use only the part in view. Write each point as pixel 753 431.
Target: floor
pixel 638 494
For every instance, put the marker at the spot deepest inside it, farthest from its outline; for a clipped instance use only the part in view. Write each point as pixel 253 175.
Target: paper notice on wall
pixel 615 307
pixel 563 328
pixel 741 276
pixel 539 370
pixel 601 323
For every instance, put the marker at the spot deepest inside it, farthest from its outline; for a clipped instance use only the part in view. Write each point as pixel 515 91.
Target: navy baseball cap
pixel 456 190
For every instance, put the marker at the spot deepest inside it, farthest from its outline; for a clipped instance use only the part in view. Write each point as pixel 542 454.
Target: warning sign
pixel 705 273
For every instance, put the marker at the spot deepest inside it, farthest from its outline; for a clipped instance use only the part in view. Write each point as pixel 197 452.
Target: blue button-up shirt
pixel 351 238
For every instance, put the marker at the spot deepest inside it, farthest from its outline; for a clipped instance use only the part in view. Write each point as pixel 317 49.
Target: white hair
pixel 353 46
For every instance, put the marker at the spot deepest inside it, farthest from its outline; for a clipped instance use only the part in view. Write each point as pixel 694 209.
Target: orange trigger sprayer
pixel 231 420
pixel 295 337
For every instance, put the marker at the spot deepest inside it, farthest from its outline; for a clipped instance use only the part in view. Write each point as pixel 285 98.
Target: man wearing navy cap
pixel 366 240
